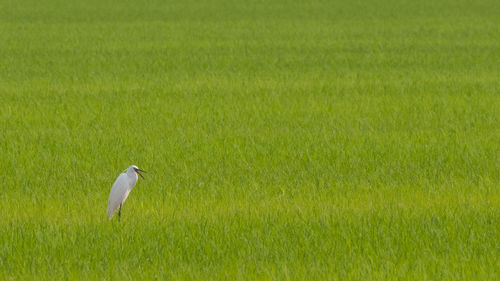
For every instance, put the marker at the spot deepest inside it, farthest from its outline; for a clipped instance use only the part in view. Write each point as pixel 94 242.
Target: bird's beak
pixel 139 170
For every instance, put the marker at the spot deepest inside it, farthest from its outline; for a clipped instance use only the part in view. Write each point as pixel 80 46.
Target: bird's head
pixel 136 170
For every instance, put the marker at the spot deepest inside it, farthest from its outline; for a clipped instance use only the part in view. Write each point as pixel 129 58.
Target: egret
pixel 121 189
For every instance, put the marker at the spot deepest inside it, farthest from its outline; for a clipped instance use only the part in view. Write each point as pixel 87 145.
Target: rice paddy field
pixel 284 140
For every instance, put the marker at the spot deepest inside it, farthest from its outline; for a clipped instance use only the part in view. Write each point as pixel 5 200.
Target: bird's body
pixel 121 189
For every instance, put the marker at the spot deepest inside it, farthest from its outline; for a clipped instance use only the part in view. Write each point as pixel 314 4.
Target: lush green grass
pixel 316 140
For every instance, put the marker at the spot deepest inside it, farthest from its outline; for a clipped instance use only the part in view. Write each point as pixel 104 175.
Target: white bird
pixel 121 189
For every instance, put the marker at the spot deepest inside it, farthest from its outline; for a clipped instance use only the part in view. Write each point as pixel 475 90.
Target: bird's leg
pixel 120 212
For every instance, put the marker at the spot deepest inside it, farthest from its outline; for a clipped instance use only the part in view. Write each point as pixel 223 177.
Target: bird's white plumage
pixel 121 189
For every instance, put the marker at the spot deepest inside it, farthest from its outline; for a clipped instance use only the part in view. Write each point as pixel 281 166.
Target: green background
pixel 284 140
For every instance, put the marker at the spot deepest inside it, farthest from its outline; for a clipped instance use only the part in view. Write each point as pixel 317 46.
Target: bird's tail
pixel 110 213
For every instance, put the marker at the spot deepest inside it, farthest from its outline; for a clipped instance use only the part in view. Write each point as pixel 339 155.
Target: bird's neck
pixel 131 174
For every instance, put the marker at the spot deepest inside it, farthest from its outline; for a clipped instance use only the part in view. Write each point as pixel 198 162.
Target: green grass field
pixel 285 140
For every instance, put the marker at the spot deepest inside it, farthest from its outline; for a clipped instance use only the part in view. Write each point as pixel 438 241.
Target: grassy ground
pixel 318 140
